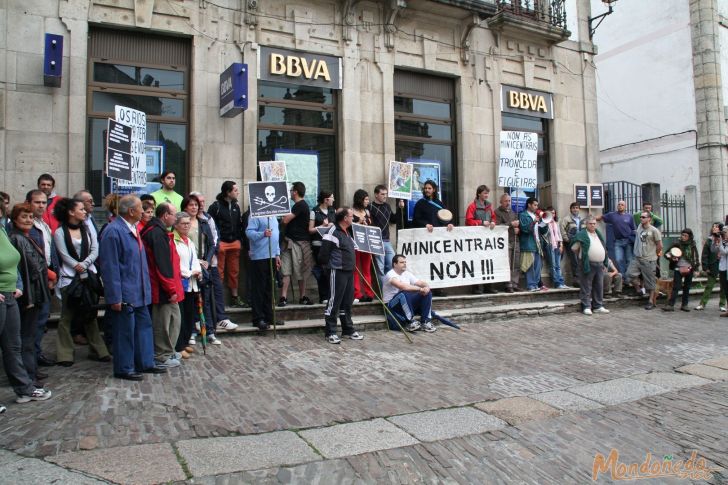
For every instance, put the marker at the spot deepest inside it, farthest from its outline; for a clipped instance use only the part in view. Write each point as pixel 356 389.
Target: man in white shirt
pixel 407 296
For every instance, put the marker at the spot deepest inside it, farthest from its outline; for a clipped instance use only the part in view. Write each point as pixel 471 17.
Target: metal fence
pixel 626 191
pixel 552 12
pixel 674 217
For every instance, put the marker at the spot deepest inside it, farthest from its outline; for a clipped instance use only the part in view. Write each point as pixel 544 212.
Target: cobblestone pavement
pixel 257 385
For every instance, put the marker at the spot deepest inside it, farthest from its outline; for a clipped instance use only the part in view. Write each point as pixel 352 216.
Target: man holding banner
pixel 407 296
pixel 337 251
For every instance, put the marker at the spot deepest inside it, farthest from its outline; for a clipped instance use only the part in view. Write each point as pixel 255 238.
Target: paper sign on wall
pixel 517 163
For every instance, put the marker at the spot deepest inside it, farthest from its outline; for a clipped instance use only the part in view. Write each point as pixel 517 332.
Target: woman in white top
pixel 191 273
pixel 77 249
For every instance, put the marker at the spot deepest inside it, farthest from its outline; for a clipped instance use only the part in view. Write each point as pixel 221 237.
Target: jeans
pixel 218 294
pixel 406 304
pixel 591 291
pixel 681 282
pixel 41 322
pixel 384 263
pixel 533 275
pixel 623 255
pixel 555 261
pixel 709 285
pixel 10 345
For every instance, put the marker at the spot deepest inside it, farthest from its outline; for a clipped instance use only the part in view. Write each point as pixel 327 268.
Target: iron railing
pixel 674 217
pixel 552 12
pixel 630 193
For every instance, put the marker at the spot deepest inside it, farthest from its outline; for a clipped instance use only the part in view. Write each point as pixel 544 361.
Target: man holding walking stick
pixel 262 232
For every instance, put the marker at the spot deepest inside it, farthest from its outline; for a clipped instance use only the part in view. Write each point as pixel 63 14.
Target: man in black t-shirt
pixel 296 257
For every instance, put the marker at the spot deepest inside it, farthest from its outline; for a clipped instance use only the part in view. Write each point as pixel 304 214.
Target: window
pixel 301 121
pixel 424 129
pixel 514 122
pixel 147 73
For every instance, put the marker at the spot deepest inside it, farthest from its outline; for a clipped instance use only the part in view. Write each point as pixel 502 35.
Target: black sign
pixel 581 194
pixel 118 151
pixel 268 199
pixel 596 195
pixel 368 239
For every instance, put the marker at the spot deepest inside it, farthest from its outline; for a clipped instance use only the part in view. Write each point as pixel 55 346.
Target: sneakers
pixel 356 336
pixel 226 325
pixel 428 327
pixel 169 363
pixel 333 339
pixel 2 409
pixel 412 326
pixel 240 303
pixel 39 394
pixel 723 309
pixel 305 301
pixel 214 340
pixel 563 287
pixel 192 341
pixel 700 307
pixel 601 309
pixel 283 301
pixel 356 300
pixel 587 311
pixel 177 356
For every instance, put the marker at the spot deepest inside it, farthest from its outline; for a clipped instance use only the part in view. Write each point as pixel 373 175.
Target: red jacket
pixel 48 216
pixel 163 261
pixel 470 215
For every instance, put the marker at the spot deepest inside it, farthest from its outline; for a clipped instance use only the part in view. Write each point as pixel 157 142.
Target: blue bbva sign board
pixel 234 90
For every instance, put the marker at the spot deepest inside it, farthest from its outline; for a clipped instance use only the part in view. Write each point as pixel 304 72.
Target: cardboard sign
pixel 368 239
pixel 517 163
pixel 268 199
pixel 400 180
pixel 464 256
pixel 581 194
pixel 118 148
pixel 137 120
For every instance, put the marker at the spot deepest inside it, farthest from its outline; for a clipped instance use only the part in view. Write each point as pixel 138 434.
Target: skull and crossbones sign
pixel 270 200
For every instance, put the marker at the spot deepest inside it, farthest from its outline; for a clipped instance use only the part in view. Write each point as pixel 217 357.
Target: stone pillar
pixel 712 152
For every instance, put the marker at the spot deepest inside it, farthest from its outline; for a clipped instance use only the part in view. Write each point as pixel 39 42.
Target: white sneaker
pixel 428 327
pixel 38 394
pixel 333 339
pixel 723 309
pixel 2 409
pixel 356 300
pixel 170 363
pixel 587 311
pixel 699 307
pixel 412 326
pixel 356 336
pixel 226 325
pixel 192 341
pixel 214 340
pixel 601 309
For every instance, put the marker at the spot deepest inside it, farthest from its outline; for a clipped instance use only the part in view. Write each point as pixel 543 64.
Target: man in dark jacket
pixel 337 251
pixel 166 284
pixel 426 209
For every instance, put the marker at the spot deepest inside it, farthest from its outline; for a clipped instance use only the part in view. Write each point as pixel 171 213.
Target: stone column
pixel 712 152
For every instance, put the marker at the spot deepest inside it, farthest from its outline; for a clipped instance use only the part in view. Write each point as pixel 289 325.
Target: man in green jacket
pixel 590 248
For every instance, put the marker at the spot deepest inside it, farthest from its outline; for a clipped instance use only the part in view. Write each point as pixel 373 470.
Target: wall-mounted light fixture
pixel 600 18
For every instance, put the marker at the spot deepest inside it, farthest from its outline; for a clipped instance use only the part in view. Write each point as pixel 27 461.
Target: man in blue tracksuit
pixel 128 293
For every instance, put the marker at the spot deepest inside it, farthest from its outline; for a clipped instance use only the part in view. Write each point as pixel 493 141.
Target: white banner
pixel 517 164
pixel 463 256
pixel 137 120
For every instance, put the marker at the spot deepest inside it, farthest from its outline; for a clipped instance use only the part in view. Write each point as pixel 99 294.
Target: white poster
pixel 517 164
pixel 463 256
pixel 137 120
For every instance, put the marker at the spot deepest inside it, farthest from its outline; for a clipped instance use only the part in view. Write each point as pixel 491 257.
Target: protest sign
pixel 517 164
pixel 118 147
pixel 273 171
pixel 422 171
pixel 137 120
pixel 368 239
pixel 463 256
pixel 268 199
pixel 400 180
pixel 581 194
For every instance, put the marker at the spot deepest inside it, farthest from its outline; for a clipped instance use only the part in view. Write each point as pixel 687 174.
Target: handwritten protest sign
pixel 368 239
pixel 463 256
pixel 517 164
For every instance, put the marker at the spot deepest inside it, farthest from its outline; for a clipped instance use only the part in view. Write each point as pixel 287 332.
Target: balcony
pixel 540 20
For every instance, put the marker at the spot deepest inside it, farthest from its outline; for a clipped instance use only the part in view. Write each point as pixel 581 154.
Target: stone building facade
pixel 420 80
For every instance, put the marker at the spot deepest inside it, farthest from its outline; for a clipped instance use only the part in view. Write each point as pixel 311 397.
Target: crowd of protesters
pixel 160 264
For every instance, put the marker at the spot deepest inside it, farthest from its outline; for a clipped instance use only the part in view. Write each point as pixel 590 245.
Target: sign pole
pixel 272 281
